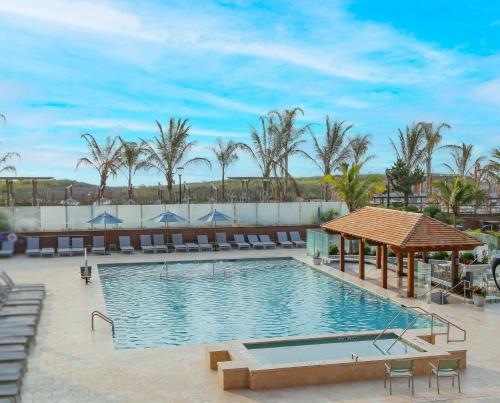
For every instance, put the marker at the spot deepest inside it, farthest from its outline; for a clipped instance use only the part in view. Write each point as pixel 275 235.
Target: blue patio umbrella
pixel 167 217
pixel 214 217
pixel 105 218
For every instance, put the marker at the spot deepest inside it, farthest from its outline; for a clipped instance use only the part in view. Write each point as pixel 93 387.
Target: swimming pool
pixel 206 302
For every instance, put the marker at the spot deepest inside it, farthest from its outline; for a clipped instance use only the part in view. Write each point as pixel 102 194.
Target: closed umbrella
pixel 167 217
pixel 105 218
pixel 214 217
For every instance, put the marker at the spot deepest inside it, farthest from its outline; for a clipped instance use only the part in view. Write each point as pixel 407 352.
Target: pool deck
pixel 70 363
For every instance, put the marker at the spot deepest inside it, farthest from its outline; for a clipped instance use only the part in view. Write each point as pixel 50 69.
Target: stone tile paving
pixel 70 363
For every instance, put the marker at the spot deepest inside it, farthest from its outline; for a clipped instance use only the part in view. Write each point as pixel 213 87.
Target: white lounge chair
pixel 33 246
pixel 203 243
pixel 7 249
pixel 63 247
pixel 254 241
pixel 146 245
pixel 125 246
pixel 266 241
pixel 179 245
pixel 98 245
pixel 222 242
pixel 297 241
pixel 283 240
pixel 47 252
pixel 77 247
pixel 159 243
pixel 21 286
pixel 239 240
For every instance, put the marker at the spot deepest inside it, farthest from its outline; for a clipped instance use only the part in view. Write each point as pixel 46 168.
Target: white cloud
pixel 84 15
pixel 488 92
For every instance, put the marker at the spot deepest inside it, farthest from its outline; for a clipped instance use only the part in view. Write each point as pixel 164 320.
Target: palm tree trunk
pixel 223 190
pixel 429 178
pixel 130 191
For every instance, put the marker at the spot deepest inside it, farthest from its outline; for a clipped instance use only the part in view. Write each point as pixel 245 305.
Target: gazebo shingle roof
pixel 401 229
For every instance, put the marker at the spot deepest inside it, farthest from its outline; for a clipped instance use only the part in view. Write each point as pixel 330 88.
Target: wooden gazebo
pixel 404 233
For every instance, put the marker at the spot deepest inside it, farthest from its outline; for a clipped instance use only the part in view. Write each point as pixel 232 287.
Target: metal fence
pixel 57 218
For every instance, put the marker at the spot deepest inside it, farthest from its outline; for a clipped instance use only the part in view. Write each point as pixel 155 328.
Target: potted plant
pixel 478 295
pixel 333 250
pixel 316 257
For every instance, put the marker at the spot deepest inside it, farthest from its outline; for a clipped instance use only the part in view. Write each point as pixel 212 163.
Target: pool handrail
pixel 433 316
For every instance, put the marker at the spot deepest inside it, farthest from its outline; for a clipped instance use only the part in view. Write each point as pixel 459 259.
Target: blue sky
pixel 113 67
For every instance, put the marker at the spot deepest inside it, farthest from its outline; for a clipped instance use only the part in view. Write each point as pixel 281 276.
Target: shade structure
pixel 105 218
pixel 168 216
pixel 214 217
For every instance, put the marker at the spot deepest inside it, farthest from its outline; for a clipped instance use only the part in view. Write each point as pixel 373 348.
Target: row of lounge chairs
pixel 221 242
pixel 155 243
pixel 21 305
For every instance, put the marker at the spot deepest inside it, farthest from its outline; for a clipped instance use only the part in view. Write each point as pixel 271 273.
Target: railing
pixel 354 357
pixel 164 269
pixel 423 312
pixel 447 291
pixel 104 318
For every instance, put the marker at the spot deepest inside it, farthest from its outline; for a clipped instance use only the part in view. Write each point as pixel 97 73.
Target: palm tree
pixel 494 166
pixel 226 154
pixel 432 139
pixel 460 192
pixel 330 155
pixel 104 158
pixel 265 151
pixel 353 189
pixel 4 162
pixel 358 146
pixel 288 138
pixel 411 145
pixel 169 150
pixel 462 156
pixel 131 161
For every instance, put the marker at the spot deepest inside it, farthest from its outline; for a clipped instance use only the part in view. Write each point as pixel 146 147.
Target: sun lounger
pixel 283 240
pixel 178 243
pixel 266 241
pixel 77 247
pixel 191 246
pixel 297 241
pixel 21 286
pixel 11 368
pixel 10 391
pixel 6 341
pixel 63 248
pixel 7 249
pixel 125 246
pixel 159 243
pixel 33 246
pixel 47 252
pixel 12 295
pixel 203 243
pixel 98 246
pixel 254 241
pixel 146 244
pixel 239 240
pixel 222 242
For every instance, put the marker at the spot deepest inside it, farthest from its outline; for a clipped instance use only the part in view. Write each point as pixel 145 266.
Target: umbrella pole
pixel 105 244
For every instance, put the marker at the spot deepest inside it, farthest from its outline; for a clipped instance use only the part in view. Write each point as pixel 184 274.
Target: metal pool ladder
pixel 422 312
pixel 164 269
pixel 104 318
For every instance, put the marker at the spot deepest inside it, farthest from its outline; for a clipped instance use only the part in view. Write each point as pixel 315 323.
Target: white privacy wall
pixel 57 218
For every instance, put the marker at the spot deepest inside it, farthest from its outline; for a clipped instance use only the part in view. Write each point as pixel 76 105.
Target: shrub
pixel 411 207
pixel 467 257
pixel 441 255
pixel 431 210
pixel 5 224
pixel 333 249
pixel 481 291
pixel 326 216
pixel 368 250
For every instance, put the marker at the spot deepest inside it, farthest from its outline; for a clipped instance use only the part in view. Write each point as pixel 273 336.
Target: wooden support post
pixel 384 266
pixel 400 264
pixel 454 267
pixel 425 257
pixel 410 291
pixel 342 253
pixel 361 259
pixel 378 257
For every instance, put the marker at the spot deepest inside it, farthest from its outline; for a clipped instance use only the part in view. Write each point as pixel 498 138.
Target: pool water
pixel 285 352
pixel 205 302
